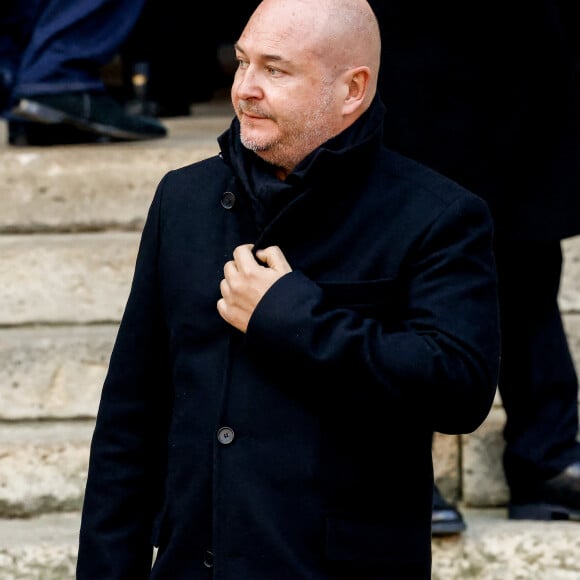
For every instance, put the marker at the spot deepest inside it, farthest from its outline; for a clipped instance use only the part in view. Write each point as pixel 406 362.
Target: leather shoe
pixel 557 498
pixel 445 518
pixel 5 85
pixel 29 133
pixel 94 113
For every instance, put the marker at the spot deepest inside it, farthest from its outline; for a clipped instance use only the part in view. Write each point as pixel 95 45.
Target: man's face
pixel 284 94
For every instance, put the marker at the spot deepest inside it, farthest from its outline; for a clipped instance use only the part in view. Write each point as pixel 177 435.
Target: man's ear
pixel 357 84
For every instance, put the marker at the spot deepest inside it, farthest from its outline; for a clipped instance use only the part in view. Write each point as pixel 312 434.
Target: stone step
pixel 43 467
pixel 39 548
pixel 43 464
pixel 56 278
pixel 492 548
pixel 104 186
pixel 70 219
pixel 53 372
pixel 65 278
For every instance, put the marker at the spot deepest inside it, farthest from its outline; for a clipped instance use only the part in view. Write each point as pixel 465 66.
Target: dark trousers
pixel 538 382
pixel 52 46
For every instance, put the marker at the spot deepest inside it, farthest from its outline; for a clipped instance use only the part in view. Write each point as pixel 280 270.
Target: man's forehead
pixel 280 21
pixel 287 46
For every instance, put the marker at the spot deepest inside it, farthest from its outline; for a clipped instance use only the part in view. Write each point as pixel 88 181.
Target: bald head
pixel 342 34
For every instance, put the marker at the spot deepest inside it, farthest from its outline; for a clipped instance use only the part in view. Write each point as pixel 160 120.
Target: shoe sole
pixel 33 111
pixel 27 133
pixel 543 512
pixel 447 528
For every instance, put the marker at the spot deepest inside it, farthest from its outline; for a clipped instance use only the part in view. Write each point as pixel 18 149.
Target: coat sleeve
pixel 441 355
pixel 127 451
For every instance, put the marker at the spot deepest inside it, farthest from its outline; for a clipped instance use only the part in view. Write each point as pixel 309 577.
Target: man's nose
pixel 246 84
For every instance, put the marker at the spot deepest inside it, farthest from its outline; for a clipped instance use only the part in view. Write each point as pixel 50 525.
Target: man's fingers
pixel 230 268
pixel 274 258
pixel 243 257
pixel 246 280
pixel 271 257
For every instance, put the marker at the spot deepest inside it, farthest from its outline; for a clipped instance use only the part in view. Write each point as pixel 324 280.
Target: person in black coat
pixel 488 94
pixel 307 307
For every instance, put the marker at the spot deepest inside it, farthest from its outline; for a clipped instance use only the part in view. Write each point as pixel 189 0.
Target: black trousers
pixel 538 382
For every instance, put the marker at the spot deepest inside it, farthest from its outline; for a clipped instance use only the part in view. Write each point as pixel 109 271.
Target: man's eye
pixel 242 63
pixel 273 71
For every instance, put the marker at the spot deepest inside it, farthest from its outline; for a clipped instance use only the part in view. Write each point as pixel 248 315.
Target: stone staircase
pixel 70 220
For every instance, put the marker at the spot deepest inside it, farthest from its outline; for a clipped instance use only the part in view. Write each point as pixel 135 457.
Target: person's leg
pixel 17 20
pixel 59 95
pixel 174 47
pixel 70 42
pixel 446 519
pixel 538 382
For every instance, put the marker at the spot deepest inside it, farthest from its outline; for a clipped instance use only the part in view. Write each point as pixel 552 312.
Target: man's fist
pixel 246 280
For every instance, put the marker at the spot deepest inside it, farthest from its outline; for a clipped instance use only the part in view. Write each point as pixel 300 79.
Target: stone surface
pixel 572 325
pixel 53 372
pixel 95 187
pixel 42 548
pixel 43 467
pixel 482 472
pixel 446 465
pixel 65 278
pixel 494 548
pixel 570 287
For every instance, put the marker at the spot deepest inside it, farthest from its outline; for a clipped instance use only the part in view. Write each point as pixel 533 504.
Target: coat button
pixel 208 559
pixel 225 435
pixel 228 200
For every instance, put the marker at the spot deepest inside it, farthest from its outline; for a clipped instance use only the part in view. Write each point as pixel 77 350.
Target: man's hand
pixel 246 281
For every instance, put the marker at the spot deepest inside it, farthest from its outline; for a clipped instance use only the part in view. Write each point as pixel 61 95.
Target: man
pixel 502 118
pixel 51 90
pixel 307 308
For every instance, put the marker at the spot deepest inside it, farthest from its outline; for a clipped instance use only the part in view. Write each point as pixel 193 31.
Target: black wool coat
pixel 301 449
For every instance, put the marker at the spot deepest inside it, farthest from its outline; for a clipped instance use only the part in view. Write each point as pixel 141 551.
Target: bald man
pixel 307 308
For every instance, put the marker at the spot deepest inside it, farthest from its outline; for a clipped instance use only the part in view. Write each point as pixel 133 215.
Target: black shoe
pixel 94 113
pixel 23 133
pixel 5 87
pixel 445 518
pixel 557 498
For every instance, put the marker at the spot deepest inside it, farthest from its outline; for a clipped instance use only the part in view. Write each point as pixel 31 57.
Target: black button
pixel 228 200
pixel 225 435
pixel 208 559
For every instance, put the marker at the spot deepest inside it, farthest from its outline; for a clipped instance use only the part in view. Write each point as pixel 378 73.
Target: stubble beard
pixel 301 136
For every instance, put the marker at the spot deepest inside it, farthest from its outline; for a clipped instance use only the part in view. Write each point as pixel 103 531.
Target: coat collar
pixel 334 161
